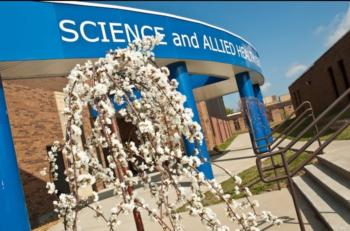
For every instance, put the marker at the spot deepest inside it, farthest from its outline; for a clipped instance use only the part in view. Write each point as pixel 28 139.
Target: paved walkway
pixel 278 202
pixel 239 157
pixel 333 146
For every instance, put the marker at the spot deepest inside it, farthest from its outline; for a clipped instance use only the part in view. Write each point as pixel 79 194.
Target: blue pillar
pixel 13 211
pixel 267 128
pixel 179 72
pixel 256 127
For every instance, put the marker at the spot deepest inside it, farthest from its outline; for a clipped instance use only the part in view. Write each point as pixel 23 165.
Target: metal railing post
pixel 293 193
pixel 316 129
pixel 322 145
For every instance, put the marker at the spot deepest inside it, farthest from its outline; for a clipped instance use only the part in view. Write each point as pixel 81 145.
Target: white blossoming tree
pixel 162 123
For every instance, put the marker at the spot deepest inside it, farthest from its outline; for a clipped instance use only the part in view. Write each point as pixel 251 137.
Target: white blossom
pixel 51 189
pixel 161 123
pixel 238 180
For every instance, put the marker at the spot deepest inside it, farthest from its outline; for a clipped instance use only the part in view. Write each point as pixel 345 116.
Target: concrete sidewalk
pixel 278 202
pixel 333 146
pixel 239 157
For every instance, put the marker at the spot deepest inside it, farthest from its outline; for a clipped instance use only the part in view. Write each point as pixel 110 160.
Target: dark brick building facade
pixel 326 79
pixel 34 107
pixel 35 125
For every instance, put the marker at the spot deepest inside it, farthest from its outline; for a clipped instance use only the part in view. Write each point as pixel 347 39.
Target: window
pixel 237 126
pixel 61 184
pixel 295 98
pixel 344 74
pixel 299 97
pixel 334 84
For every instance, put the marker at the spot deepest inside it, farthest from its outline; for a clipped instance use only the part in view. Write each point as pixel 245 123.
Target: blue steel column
pixel 267 128
pixel 13 211
pixel 246 92
pixel 179 72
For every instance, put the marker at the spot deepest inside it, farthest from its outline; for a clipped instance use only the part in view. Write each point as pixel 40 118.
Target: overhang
pixel 49 38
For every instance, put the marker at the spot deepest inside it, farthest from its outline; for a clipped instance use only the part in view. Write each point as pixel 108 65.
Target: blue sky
pixel 289 36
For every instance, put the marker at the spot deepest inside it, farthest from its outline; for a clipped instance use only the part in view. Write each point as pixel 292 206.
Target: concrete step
pixel 310 218
pixel 338 161
pixel 335 215
pixel 334 184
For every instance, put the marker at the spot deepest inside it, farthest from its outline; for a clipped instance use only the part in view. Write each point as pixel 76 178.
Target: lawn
pixel 345 135
pixel 249 175
pixel 222 147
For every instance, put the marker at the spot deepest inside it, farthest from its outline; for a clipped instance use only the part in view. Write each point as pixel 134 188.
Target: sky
pixel 289 36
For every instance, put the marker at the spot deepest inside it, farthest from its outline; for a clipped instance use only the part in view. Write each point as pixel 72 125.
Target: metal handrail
pixel 305 146
pixel 300 119
pixel 289 126
pixel 304 116
pixel 255 148
pixel 294 125
pixel 307 112
pixel 282 152
pixel 307 103
pixel 319 118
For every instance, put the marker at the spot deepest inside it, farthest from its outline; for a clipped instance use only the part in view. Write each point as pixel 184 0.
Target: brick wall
pixel 216 127
pixel 316 84
pixel 237 123
pixel 34 106
pixel 277 115
pixel 242 124
pixel 278 112
pixel 35 124
pixel 216 108
pixel 206 125
pixel 232 126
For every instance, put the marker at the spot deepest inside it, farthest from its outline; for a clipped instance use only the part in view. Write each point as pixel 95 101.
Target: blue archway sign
pixel 73 30
pixel 45 30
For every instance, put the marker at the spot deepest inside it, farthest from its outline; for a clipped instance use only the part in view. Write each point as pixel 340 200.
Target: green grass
pixel 222 147
pixel 345 135
pixel 248 176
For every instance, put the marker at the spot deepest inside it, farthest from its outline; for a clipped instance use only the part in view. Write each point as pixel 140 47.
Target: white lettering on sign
pixel 93 32
pixel 63 27
pixel 218 45
pixel 113 26
pixel 117 32
pixel 184 40
pixel 82 31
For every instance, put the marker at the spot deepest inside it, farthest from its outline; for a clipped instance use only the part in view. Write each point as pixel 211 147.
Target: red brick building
pixel 278 108
pixel 237 122
pixel 216 126
pixel 35 124
pixel 326 79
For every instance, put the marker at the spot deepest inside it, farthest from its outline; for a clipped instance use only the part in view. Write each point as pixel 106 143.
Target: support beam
pixel 255 123
pixel 13 210
pixel 265 121
pixel 179 72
